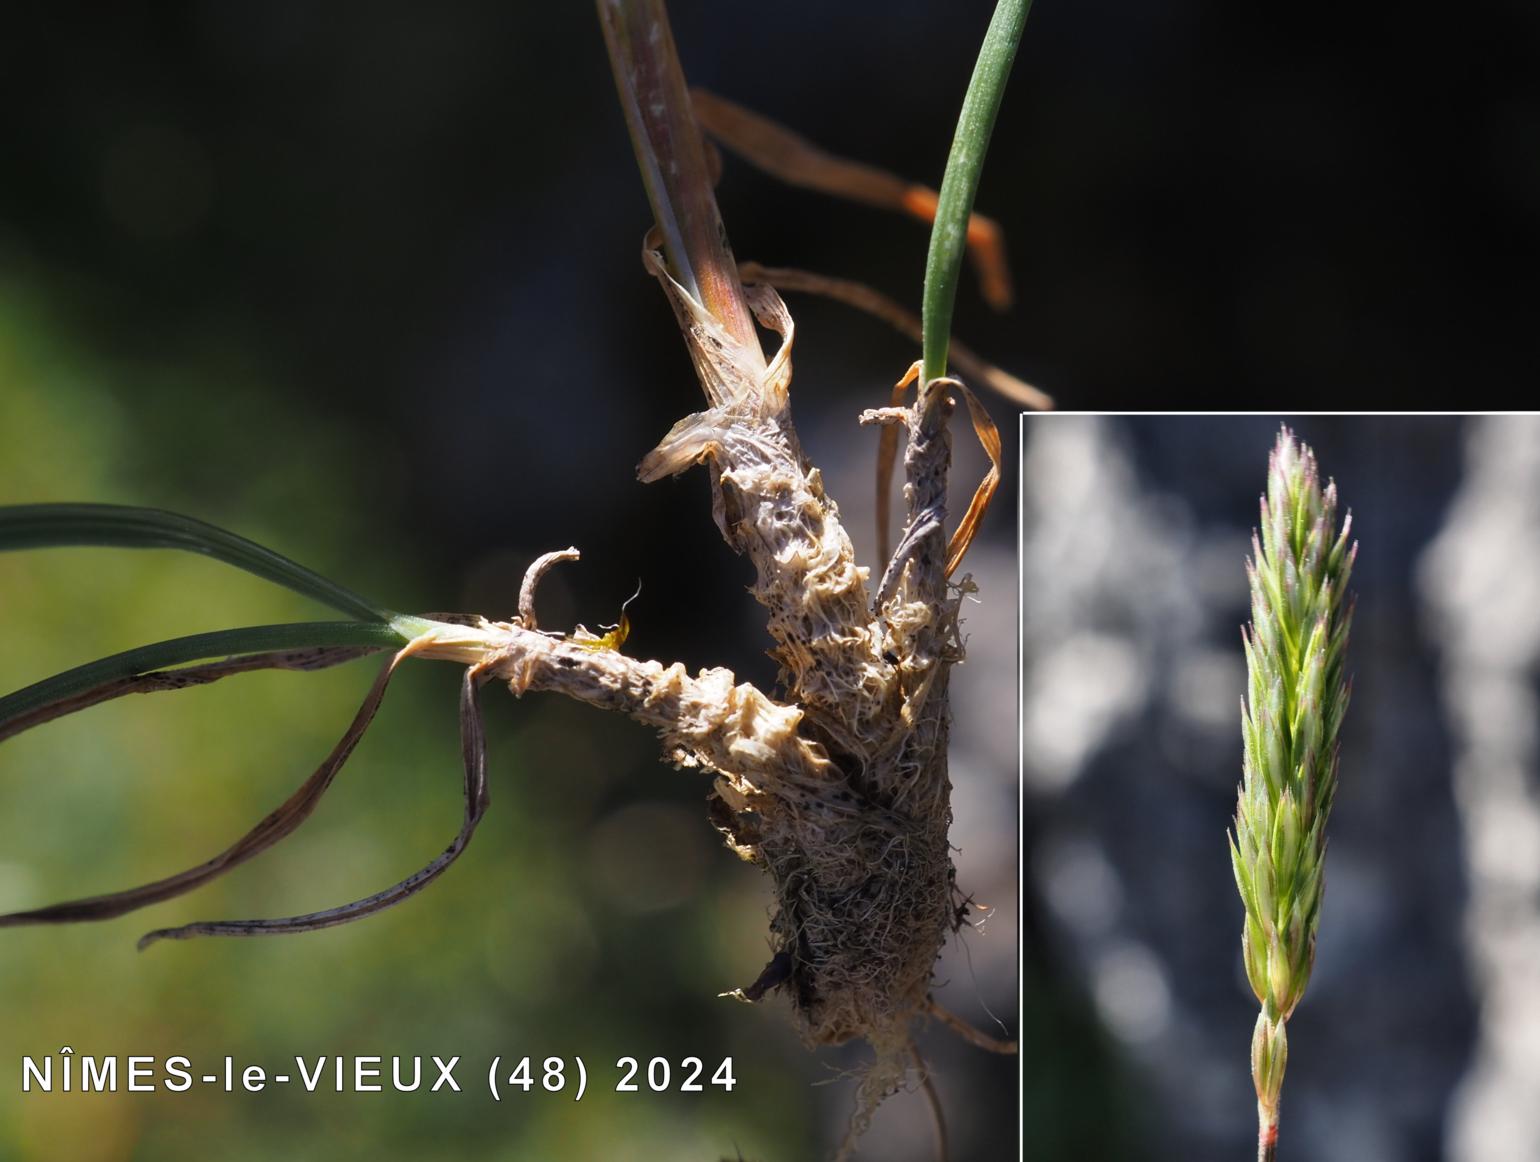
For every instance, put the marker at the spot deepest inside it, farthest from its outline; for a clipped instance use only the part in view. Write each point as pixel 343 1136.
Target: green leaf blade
pixel 83 680
pixel 975 125
pixel 43 526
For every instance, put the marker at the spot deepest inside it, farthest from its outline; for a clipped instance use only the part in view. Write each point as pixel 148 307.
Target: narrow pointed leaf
pixel 473 751
pixel 123 673
pixel 975 124
pixel 277 825
pixel 40 526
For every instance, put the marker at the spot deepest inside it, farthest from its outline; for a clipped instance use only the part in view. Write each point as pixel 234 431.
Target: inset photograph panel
pixel 1403 921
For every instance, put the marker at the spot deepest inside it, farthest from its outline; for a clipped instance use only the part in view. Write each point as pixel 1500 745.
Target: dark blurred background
pixel 362 283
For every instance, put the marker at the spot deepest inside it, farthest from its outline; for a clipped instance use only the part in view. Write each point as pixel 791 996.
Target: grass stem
pixel 949 235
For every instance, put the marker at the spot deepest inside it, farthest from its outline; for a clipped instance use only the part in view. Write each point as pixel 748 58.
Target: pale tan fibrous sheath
pixel 845 802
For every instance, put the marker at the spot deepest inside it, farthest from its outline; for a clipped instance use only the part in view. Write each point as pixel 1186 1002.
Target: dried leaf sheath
pixel 790 157
pixel 52 705
pixel 847 805
pixel 278 825
pixel 770 505
pixel 474 757
pixel 863 298
pixel 672 158
pixel 854 832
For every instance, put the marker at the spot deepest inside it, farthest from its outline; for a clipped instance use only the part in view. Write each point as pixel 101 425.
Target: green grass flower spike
pixel 1297 695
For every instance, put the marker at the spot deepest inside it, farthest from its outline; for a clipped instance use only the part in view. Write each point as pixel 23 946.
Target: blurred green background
pixel 595 914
